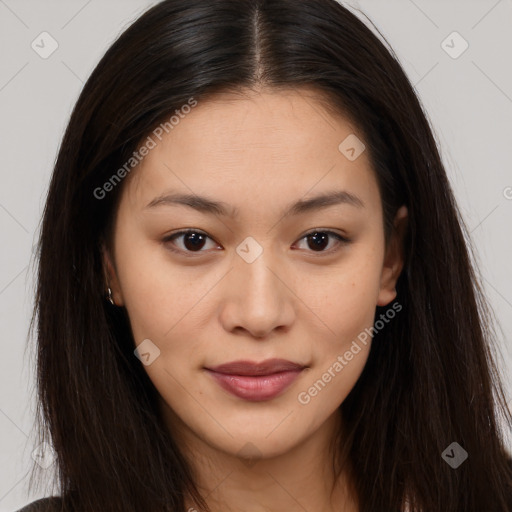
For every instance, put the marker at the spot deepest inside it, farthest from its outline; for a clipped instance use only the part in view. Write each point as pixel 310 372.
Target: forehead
pixel 253 148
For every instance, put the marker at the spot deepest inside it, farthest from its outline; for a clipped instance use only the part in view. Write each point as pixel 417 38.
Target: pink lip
pixel 256 381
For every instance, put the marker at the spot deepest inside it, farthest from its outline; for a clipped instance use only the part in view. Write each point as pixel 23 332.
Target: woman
pixel 254 289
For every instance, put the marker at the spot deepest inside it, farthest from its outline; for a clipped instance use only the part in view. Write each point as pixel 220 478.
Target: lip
pixel 256 381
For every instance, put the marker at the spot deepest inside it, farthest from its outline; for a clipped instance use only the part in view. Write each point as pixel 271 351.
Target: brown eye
pixel 192 241
pixel 318 240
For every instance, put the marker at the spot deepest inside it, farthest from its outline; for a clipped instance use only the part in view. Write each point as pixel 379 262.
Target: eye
pixel 318 240
pixel 193 241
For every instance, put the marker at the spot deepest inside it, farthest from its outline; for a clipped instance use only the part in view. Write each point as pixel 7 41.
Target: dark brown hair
pixel 430 378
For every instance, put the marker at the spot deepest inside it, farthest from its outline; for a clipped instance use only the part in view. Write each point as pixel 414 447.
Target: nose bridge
pixel 253 270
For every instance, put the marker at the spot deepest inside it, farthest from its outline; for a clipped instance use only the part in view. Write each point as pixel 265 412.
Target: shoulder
pixel 52 504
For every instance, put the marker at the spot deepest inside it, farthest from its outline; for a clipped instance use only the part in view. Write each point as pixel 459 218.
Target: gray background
pixel 468 100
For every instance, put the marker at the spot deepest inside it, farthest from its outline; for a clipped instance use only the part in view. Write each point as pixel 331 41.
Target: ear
pixel 394 258
pixel 111 279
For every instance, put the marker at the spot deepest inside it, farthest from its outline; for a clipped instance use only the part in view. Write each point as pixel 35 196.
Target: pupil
pixel 196 239
pixel 319 244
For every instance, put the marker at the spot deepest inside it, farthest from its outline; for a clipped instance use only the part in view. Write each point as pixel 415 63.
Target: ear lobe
pixel 394 258
pixel 111 280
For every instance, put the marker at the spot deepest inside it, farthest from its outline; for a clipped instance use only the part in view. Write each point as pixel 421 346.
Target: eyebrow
pixel 219 208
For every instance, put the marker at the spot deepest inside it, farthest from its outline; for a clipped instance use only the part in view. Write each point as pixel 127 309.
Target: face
pixel 268 274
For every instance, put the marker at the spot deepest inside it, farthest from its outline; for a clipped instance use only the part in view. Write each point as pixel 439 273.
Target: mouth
pixel 256 382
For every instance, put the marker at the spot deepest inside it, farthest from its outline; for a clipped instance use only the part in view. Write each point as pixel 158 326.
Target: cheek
pixel 157 294
pixel 328 384
pixel 346 307
pixel 345 298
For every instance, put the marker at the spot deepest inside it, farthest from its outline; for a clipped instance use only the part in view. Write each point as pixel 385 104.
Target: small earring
pixel 110 297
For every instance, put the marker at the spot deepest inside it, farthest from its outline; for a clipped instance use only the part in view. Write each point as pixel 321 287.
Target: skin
pixel 258 152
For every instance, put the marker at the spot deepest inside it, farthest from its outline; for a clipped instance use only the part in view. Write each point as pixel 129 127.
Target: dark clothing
pixel 52 504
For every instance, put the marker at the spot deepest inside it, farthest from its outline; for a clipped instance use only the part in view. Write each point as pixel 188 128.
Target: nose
pixel 258 298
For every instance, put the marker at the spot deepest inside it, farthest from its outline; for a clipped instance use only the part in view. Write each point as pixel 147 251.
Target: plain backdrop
pixel 467 93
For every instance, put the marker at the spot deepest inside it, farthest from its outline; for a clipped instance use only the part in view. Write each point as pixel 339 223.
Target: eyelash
pixel 191 254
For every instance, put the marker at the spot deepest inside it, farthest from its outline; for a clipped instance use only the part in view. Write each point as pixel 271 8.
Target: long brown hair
pixel 430 378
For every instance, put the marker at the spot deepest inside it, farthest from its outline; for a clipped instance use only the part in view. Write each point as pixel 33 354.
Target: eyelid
pixel 342 241
pixel 325 230
pixel 177 234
